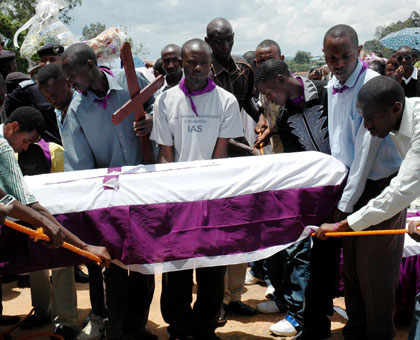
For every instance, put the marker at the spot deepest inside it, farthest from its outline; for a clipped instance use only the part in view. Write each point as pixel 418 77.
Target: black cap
pixel 7 57
pixel 50 50
pixel 13 79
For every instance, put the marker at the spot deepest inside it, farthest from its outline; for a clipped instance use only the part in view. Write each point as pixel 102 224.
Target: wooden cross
pixel 138 97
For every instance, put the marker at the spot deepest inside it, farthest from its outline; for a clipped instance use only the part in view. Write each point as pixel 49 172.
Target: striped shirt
pixel 11 178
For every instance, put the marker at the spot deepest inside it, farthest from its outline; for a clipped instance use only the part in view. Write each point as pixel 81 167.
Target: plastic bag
pixel 45 27
pixel 107 45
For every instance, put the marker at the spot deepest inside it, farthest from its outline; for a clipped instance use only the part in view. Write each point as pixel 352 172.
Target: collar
pixel 2 130
pixel 413 75
pixel 309 92
pixel 405 126
pixel 309 89
pixel 351 81
pixel 219 68
pixel 112 85
pixel 167 87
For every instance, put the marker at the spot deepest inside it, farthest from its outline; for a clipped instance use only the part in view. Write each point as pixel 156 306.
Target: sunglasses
pixel 407 57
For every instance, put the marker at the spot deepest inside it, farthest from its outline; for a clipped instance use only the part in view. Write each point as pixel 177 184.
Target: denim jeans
pixel 289 275
pixel 259 270
pixel 415 321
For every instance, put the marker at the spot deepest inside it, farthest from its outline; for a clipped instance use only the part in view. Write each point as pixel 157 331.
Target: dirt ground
pixel 17 301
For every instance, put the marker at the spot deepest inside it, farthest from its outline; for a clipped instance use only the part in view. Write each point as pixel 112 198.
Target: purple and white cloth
pixel 168 217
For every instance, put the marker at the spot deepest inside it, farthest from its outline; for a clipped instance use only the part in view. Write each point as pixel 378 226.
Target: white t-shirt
pixel 194 137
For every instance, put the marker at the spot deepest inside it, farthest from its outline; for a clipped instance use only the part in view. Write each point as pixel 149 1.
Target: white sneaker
pixel 268 307
pixel 94 330
pixel 269 293
pixel 283 328
pixel 251 279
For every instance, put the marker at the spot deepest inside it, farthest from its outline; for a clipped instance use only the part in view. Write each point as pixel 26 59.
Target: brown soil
pixel 17 301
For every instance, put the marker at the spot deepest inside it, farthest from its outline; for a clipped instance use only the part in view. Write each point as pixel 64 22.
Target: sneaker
pixel 286 327
pixel 268 307
pixel 94 330
pixel 251 279
pixel 269 293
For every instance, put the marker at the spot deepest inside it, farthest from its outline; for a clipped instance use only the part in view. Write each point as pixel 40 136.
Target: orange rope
pixel 39 235
pixel 261 145
pixel 365 233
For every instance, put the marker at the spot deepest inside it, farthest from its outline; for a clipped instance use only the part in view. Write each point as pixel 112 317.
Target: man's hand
pixel 413 231
pixel 331 227
pixel 55 234
pixel 143 127
pixel 263 132
pixel 399 72
pixel 149 63
pixel 4 212
pixel 100 252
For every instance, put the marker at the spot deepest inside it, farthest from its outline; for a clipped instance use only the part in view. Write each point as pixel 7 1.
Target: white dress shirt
pixel 365 156
pixel 405 187
pixel 412 76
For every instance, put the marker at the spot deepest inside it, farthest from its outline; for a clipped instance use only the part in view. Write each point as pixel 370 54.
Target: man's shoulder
pixel 370 74
pixel 241 62
pixel 4 145
pixel 76 103
pixel 224 94
pixel 26 83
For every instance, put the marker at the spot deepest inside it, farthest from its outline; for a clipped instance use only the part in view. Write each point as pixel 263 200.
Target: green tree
pixel 93 30
pixel 382 31
pixel 302 57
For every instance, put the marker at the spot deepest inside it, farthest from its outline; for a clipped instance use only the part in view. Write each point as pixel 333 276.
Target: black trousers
pixel 96 289
pixel 128 299
pixel 201 320
pixel 324 267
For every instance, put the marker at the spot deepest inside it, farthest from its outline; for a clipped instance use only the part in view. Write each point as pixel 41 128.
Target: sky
pixel 295 25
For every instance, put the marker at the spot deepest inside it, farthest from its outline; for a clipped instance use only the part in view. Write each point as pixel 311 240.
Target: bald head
pixel 342 31
pixel 80 54
pixel 269 44
pixel 196 45
pixel 219 25
pixel 171 48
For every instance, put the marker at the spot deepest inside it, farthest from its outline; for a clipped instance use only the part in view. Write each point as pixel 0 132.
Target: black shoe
pixel 6 320
pixel 223 316
pixel 68 333
pixel 79 276
pixel 238 307
pixel 140 334
pixel 34 321
pixel 309 333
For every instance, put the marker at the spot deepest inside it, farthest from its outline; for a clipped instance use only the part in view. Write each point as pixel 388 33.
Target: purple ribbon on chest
pixel 341 89
pixel 104 101
pixel 208 88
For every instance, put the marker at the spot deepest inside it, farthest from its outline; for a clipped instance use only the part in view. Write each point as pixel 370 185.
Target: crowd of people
pixel 367 115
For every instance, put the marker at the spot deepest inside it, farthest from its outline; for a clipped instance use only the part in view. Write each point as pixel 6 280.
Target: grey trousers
pixel 57 299
pixel 234 282
pixel 371 274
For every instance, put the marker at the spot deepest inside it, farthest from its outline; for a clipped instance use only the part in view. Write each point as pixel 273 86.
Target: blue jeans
pixel 415 321
pixel 289 275
pixel 259 270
